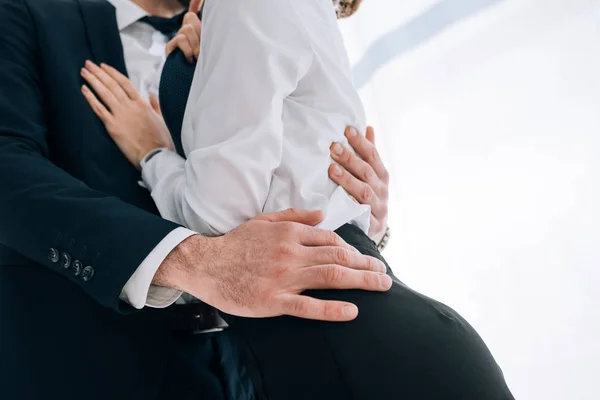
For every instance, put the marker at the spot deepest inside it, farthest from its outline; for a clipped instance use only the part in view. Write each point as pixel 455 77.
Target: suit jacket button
pixel 53 255
pixel 65 260
pixel 76 267
pixel 87 274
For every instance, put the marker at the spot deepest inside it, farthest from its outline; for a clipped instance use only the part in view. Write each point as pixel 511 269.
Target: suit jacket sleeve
pixel 42 207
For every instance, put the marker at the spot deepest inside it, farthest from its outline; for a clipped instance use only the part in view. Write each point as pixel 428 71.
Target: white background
pixel 487 113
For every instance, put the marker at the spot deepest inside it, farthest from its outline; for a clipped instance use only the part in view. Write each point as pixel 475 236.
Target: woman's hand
pixel 135 125
pixel 188 38
pixel 364 176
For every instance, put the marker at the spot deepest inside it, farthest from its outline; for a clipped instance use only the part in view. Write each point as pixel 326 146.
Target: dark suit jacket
pixel 65 186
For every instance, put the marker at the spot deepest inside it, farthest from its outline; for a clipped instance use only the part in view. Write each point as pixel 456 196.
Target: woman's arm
pixel 252 56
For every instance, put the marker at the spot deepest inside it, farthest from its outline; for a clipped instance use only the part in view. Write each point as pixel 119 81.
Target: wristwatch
pixel 148 156
pixel 384 240
pixel 144 161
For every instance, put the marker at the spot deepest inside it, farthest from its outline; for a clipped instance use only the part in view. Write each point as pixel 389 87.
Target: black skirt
pixel 403 345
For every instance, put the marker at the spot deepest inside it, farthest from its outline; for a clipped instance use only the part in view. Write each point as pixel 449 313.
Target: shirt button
pixel 65 260
pixel 53 255
pixel 87 274
pixel 76 267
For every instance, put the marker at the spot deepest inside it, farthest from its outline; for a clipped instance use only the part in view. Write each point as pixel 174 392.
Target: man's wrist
pixel 184 262
pixel 139 291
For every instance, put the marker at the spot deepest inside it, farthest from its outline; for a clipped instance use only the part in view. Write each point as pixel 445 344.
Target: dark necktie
pixel 174 89
pixel 167 26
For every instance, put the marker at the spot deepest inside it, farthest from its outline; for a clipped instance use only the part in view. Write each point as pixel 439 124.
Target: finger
pixel 107 80
pixel 375 228
pixel 96 105
pixel 370 135
pixel 122 80
pixel 355 165
pixel 380 211
pixel 193 39
pixel 367 151
pixel 192 19
pixel 155 104
pixel 195 6
pixel 337 277
pixel 356 188
pixel 172 45
pixel 198 29
pixel 301 227
pixel 310 308
pixel 342 256
pixel 107 97
pixel 181 42
pixel 314 237
pixel 306 217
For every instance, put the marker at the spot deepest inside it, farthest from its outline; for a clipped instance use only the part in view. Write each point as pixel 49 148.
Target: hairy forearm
pixel 183 262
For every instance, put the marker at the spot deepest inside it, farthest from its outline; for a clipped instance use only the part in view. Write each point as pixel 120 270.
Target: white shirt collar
pixel 127 12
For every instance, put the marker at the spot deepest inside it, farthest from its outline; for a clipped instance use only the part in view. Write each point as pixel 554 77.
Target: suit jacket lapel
pixel 99 17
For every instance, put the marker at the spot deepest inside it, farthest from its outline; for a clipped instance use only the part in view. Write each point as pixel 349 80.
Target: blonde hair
pixel 345 8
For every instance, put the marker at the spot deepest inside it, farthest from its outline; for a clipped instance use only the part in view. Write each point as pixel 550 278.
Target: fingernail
pixel 349 311
pixel 338 149
pixel 83 71
pixel 84 88
pixel 88 63
pixel 337 171
pixel 384 281
pixel 352 131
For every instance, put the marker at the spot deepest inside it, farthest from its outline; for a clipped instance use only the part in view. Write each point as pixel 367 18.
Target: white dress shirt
pixel 272 90
pixel 144 53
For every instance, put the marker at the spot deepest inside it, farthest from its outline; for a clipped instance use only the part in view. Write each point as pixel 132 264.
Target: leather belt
pixel 197 319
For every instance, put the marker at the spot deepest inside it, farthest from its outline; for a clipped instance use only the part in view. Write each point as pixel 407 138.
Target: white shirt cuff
pixel 160 164
pixel 139 291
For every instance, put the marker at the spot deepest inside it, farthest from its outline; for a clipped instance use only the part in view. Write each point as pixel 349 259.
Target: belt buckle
pixel 199 323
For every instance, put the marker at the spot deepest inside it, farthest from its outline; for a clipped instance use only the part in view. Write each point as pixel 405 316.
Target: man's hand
pixel 261 268
pixel 364 176
pixel 188 38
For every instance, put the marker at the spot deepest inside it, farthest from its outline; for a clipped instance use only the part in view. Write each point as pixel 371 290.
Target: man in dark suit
pixel 75 227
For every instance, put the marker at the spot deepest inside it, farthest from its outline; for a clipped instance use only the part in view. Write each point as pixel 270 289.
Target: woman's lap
pixel 402 345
